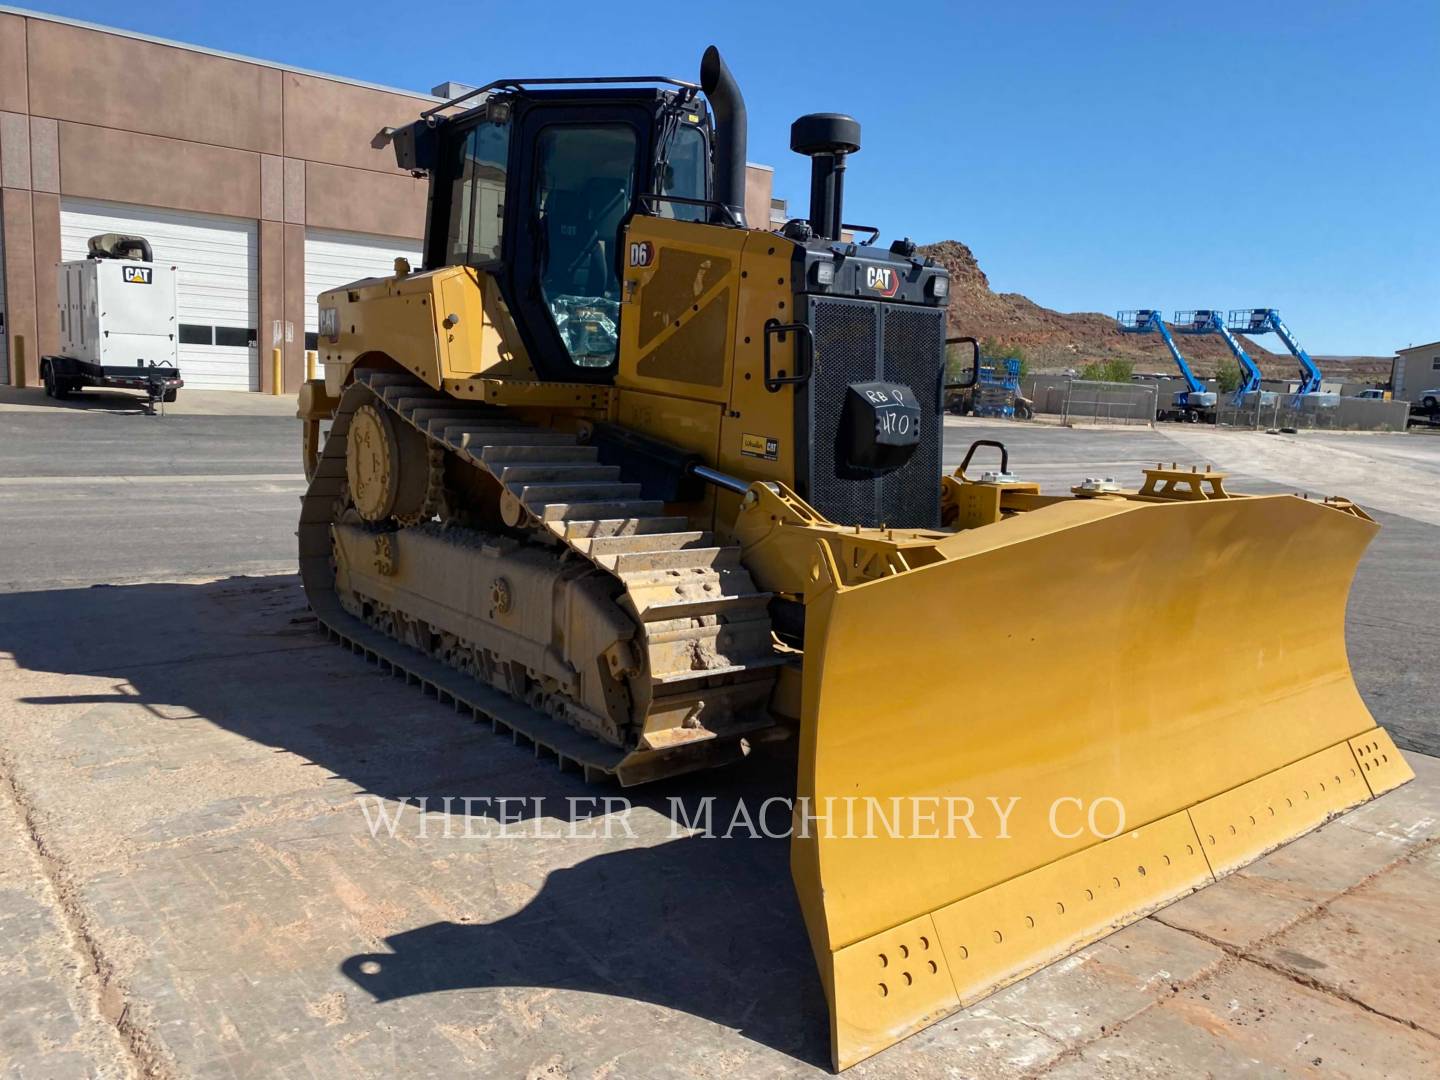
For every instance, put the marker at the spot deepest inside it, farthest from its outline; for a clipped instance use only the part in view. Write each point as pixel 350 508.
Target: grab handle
pixel 1004 456
pixel 778 330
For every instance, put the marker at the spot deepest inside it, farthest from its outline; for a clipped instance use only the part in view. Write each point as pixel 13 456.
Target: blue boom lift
pixel 1267 321
pixel 1194 403
pixel 1212 321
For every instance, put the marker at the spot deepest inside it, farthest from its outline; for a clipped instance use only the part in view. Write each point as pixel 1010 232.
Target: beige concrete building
pixel 263 183
pixel 1415 372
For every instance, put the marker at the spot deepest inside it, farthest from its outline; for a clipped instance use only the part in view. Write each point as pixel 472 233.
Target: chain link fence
pixel 1319 412
pixel 1090 402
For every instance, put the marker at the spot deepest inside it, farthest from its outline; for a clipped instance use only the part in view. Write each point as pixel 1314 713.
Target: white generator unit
pixel 118 322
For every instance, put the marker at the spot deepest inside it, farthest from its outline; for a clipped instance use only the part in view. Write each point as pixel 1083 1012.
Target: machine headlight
pixel 825 272
pixel 939 287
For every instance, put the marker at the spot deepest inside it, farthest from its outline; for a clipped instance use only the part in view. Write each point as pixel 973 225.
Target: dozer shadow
pixel 685 924
pixel 677 924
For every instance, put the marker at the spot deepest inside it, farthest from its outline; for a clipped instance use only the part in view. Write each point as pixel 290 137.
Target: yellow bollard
pixel 277 372
pixel 312 359
pixel 19 369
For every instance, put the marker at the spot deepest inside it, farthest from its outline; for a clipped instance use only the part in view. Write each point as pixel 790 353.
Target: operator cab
pixel 535 186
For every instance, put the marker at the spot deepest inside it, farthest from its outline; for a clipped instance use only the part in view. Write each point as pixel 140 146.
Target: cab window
pixel 684 173
pixel 584 184
pixel 477 195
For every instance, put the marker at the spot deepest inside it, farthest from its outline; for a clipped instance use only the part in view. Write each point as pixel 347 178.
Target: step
pixel 537 455
pixel 538 495
pixel 599 511
pixel 438 426
pixel 725 651
pixel 453 431
pixel 558 473
pixel 743 619
pixel 586 528
pixel 416 394
pixel 738 605
pixel 676 581
pixel 408 403
pixel 440 416
pixel 686 558
pixel 381 379
pixel 484 438
pixel 759 668
pixel 611 545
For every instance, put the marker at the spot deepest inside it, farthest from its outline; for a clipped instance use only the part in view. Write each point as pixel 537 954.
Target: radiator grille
pixel 914 354
pixel 856 341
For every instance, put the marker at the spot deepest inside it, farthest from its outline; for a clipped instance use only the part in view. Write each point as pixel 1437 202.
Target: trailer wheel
pixel 169 396
pixel 55 386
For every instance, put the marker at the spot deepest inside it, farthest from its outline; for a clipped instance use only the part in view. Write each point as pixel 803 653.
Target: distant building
pixel 1415 370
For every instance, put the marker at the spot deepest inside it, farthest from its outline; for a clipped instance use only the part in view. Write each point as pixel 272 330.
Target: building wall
pixel 1415 370
pixel 99 115
pixel 759 188
pixel 91 114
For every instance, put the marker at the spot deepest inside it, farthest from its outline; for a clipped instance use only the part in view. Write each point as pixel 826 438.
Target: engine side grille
pixel 913 353
pixel 857 341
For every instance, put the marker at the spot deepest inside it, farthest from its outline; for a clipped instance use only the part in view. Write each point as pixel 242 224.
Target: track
pixel 707 662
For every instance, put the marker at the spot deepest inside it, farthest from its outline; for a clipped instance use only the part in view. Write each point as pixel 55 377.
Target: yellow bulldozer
pixel 651 487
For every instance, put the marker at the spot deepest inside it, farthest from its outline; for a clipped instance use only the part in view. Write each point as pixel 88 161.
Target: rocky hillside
pixel 1054 341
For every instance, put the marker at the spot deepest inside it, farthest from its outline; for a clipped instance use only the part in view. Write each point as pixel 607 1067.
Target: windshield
pixel 585 179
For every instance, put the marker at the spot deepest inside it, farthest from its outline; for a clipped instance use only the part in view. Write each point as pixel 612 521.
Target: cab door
pixel 575 172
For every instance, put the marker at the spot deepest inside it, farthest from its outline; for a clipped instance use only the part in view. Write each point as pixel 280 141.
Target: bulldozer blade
pixel 1079 715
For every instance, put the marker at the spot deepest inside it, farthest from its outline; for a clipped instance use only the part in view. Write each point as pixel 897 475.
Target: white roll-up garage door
pixel 338 258
pixel 218 287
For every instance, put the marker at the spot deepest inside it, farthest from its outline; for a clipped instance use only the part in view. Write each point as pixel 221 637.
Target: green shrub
pixel 1227 376
pixel 1107 371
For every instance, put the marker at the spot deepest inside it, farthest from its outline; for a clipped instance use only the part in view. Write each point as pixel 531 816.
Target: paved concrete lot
pixel 95 491
pixel 190 884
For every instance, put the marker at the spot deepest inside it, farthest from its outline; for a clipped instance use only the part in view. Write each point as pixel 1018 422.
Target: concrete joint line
pixel 1109 1030
pixel 1247 954
pixel 1241 956
pixel 1234 956
pixel 95 973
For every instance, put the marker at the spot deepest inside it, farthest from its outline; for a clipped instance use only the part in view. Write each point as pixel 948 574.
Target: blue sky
pixel 1095 155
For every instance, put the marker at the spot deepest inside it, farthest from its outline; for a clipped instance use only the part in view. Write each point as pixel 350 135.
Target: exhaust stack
pixel 826 139
pixel 725 99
